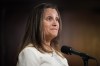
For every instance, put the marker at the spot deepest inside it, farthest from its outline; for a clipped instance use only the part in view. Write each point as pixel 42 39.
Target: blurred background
pixel 81 28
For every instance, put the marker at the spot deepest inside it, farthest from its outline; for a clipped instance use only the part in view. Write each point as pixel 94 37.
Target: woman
pixel 40 45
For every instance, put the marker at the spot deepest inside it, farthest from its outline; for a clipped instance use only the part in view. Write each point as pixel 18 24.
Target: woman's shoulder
pixel 28 55
pixel 30 49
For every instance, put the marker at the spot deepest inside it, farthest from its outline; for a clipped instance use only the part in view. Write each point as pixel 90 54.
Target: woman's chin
pixel 54 35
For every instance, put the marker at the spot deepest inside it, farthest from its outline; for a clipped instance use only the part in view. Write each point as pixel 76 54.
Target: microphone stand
pixel 85 61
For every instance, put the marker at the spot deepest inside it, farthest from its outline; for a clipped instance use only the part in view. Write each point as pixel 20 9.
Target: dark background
pixel 81 28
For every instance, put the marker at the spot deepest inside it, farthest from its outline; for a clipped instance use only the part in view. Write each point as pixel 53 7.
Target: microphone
pixel 69 50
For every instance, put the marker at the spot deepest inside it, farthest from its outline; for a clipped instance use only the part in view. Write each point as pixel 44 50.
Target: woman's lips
pixel 54 29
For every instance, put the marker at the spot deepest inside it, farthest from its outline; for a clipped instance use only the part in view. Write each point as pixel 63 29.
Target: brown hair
pixel 34 32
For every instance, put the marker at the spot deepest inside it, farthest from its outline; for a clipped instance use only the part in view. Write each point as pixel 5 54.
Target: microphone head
pixel 66 49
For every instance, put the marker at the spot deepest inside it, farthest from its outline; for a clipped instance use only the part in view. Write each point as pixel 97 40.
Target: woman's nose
pixel 55 23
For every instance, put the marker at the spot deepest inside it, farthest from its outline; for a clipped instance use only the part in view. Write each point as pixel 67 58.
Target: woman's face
pixel 50 23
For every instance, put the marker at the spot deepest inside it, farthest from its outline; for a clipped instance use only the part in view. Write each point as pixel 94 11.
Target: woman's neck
pixel 47 45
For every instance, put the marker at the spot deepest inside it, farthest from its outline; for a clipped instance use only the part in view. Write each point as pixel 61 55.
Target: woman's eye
pixel 49 18
pixel 57 19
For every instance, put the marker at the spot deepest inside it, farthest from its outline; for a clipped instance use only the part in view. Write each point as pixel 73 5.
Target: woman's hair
pixel 34 30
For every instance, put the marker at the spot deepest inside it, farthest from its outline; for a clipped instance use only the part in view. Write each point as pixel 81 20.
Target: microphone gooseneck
pixel 69 50
pixel 85 57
